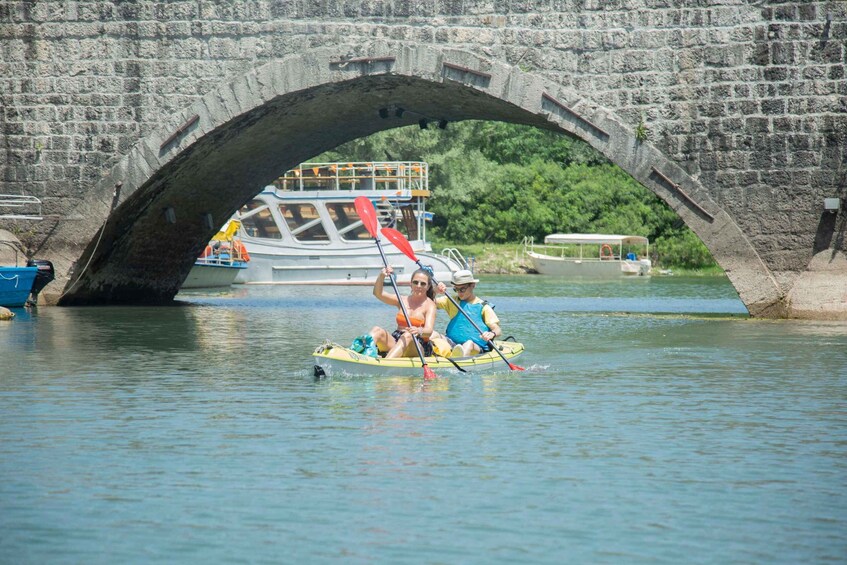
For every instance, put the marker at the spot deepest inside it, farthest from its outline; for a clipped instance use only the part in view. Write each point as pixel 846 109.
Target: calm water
pixel 680 432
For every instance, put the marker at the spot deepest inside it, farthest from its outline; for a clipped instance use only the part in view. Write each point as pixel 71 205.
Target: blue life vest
pixel 461 330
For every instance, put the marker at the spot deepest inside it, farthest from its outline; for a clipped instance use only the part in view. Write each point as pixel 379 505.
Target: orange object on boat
pixel 239 251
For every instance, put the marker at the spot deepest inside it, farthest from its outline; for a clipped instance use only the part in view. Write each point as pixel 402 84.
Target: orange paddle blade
pixel 400 242
pixel 367 213
pixel 429 374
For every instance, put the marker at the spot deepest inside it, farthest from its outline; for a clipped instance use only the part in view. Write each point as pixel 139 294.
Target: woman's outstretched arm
pixel 379 291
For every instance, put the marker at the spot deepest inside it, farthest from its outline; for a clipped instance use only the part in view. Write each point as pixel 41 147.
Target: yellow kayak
pixel 333 359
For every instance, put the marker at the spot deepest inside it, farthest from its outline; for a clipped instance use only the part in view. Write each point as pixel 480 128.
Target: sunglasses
pixel 462 288
pixel 420 283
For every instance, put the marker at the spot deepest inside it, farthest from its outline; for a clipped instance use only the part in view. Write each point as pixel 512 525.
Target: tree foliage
pixel 497 182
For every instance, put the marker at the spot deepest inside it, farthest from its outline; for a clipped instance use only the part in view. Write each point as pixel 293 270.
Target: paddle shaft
pixel 400 301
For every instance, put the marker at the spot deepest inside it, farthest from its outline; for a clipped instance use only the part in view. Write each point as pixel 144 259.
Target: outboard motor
pixel 43 277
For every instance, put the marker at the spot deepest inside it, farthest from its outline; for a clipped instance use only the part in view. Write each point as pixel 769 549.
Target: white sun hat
pixel 463 276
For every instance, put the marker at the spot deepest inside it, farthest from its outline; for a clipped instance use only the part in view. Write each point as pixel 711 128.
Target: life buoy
pixel 606 251
pixel 208 252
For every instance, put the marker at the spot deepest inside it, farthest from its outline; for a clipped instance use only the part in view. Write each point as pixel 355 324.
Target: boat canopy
pixel 400 178
pixel 228 231
pixel 594 238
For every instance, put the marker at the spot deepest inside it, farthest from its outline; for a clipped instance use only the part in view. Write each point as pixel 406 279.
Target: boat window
pixel 303 222
pixel 257 221
pixel 347 221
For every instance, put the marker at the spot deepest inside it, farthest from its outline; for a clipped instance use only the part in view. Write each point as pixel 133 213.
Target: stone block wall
pixel 748 97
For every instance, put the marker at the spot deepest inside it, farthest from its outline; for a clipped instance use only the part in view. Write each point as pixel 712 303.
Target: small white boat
pixel 221 261
pixel 333 359
pixel 304 228
pixel 590 255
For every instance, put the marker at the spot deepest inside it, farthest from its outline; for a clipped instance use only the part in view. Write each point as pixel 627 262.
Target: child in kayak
pixel 461 335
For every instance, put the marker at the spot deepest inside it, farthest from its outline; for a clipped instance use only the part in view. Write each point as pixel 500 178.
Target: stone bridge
pixel 734 112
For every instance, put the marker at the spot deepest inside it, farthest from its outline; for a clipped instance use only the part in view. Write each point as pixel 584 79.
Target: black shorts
pixel 426 345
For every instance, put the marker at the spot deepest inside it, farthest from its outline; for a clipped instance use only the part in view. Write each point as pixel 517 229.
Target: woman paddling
pixel 419 304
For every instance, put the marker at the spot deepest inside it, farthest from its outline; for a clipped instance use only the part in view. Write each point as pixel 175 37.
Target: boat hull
pixel 588 268
pixel 15 285
pixel 359 265
pixel 210 275
pixel 333 360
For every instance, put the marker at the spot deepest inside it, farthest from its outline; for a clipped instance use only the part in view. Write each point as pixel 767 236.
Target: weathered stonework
pixel 745 104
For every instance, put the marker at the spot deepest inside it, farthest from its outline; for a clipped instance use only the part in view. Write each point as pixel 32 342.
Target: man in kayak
pixel 463 338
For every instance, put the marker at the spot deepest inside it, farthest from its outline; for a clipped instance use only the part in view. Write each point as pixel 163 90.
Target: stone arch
pixel 211 157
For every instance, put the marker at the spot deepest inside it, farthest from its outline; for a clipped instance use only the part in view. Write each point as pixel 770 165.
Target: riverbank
pixel 509 259
pixel 492 259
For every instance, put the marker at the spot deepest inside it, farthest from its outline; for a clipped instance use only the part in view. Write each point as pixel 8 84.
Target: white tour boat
pixel 590 255
pixel 304 228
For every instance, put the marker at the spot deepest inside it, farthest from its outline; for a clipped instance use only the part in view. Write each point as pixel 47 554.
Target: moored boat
pixel 20 285
pixel 16 285
pixel 590 255
pixel 221 260
pixel 333 359
pixel 304 229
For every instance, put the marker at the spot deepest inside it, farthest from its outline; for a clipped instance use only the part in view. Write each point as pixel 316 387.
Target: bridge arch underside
pixel 139 257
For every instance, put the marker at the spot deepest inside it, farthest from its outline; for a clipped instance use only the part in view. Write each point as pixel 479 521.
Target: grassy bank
pixel 509 259
pixel 491 258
